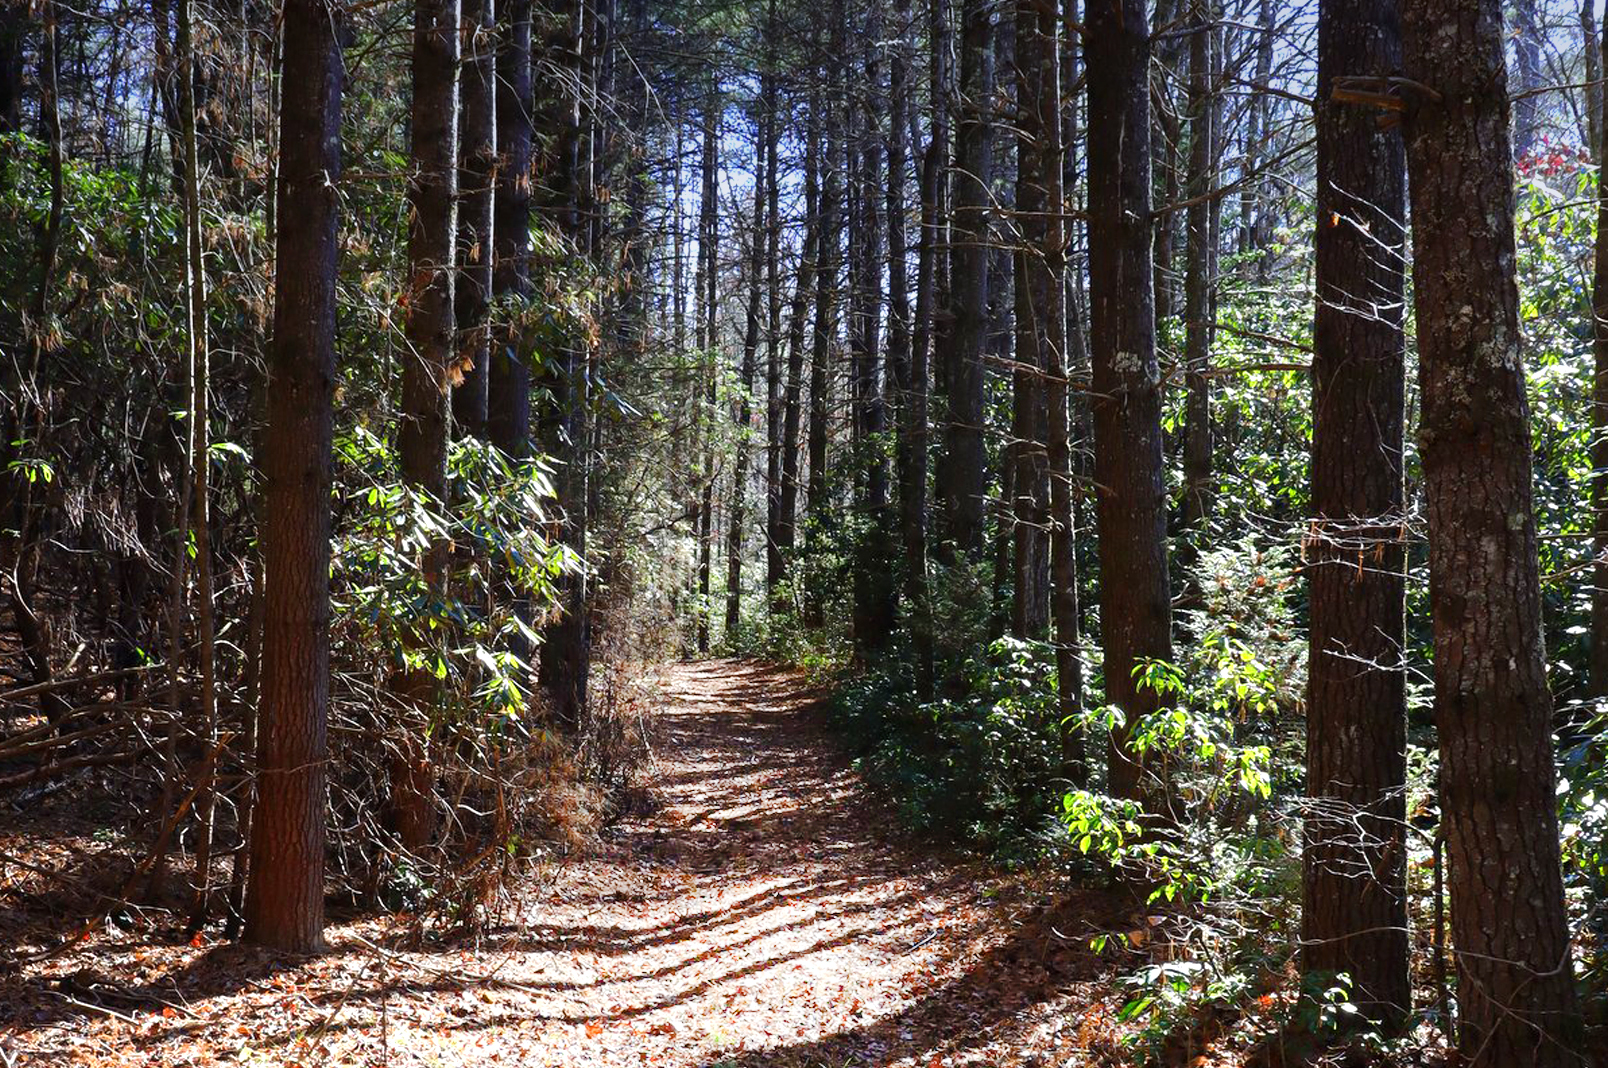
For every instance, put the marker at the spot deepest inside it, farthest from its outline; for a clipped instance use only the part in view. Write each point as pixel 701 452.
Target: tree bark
pixel 477 180
pixel 875 589
pixel 965 463
pixel 1135 609
pixel 285 894
pixel 425 418
pixel 1517 1002
pixel 793 399
pixel 707 283
pixel 1040 305
pixel 567 203
pixel 1354 903
pixel 744 415
pixel 1197 276
pixel 908 344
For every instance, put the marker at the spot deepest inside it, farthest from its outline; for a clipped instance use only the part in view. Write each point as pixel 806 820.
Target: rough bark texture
pixel 427 369
pixel 285 897
pixel 1354 906
pixel 477 178
pixel 1516 995
pixel 964 468
pixel 1135 609
pixel 432 204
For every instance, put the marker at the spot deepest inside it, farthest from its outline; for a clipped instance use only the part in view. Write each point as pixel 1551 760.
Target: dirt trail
pixel 766 913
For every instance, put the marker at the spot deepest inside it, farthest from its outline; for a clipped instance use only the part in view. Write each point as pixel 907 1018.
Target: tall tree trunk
pixel 508 377
pixel 708 286
pixel 200 459
pixel 1517 1002
pixel 745 413
pixel 824 339
pixel 1597 678
pixel 1040 304
pixel 1354 903
pixel 775 382
pixel 793 400
pixel 934 320
pixel 425 419
pixel 1197 276
pixel 1135 601
pixel 285 894
pixel 908 344
pixel 1061 360
pixel 964 471
pixel 567 202
pixel 477 179
pixel 508 391
pixel 875 590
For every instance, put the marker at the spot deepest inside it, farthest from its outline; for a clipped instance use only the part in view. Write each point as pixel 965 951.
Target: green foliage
pixel 986 767
pixel 497 557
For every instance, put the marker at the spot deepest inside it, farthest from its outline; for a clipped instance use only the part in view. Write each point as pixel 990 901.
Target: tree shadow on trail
pixel 1043 961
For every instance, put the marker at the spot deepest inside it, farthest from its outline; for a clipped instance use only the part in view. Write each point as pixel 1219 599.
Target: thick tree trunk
pixel 1354 904
pixel 965 464
pixel 566 201
pixel 285 895
pixel 427 369
pixel 1135 609
pixel 477 179
pixel 1516 995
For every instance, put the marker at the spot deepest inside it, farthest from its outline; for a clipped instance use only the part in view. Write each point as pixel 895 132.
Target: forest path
pixel 764 912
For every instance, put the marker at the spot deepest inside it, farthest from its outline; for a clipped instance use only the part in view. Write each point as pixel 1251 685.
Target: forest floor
pixel 763 910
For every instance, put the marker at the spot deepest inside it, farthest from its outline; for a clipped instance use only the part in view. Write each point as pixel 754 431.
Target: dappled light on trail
pixel 761 909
